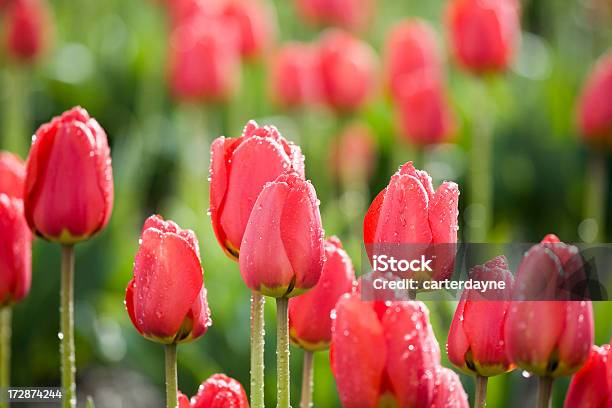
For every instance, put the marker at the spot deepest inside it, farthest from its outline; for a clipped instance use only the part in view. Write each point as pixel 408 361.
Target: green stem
pixel 171 376
pixel 596 193
pixel 5 351
pixel 257 350
pixel 282 353
pixel 544 392
pixel 307 375
pixel 481 392
pixel 15 113
pixel 67 327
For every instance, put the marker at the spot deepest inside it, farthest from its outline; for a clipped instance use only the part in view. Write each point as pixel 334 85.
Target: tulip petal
pixel 444 213
pixel 370 222
pixel 577 337
pixel 129 304
pixel 12 175
pixel 458 344
pixel 590 387
pixel 449 390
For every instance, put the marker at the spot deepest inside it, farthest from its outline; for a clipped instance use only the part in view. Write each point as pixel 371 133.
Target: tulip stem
pixel 595 203
pixel 544 392
pixel 307 375
pixel 171 377
pixel 66 334
pixel 258 302
pixel 282 353
pixel 481 392
pixel 5 352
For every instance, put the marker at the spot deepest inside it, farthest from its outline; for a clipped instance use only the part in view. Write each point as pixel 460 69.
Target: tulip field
pixel 305 203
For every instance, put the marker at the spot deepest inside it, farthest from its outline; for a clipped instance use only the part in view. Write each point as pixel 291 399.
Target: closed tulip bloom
pixel 449 392
pixel 349 68
pixel 27 28
pixel 483 33
pixel 309 314
pixel 281 254
pixel 68 194
pixel 476 341
pixel 591 386
pixel 595 109
pixel 548 337
pixel 166 299
pixel 239 169
pixel 220 391
pixel 12 175
pixel 256 22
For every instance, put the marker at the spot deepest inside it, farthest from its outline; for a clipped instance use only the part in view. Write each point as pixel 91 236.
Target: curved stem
pixel 307 373
pixel 171 377
pixel 257 350
pixel 5 351
pixel 481 392
pixel 544 392
pixel 282 353
pixel 67 327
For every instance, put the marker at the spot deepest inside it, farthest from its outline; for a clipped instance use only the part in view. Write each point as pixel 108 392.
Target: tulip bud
pixel 595 109
pixel 354 155
pixel 27 29
pixel 256 24
pixel 12 175
pixel 548 338
pixel 239 169
pixel 220 391
pixel 476 341
pixel 166 299
pixel 68 194
pixel 309 314
pixel 295 75
pixel 448 391
pixel 204 60
pixel 591 386
pixel 348 68
pixel 483 33
pixel 281 254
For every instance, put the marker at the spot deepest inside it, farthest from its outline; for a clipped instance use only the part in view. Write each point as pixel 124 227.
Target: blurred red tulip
pixel 412 46
pixel 239 169
pixel 595 109
pixel 204 60
pixel 476 341
pixel 295 78
pixel 166 299
pixel 68 194
pixel 220 391
pixel 309 314
pixel 281 254
pixel 354 155
pixel 483 33
pixel 591 386
pixel 256 22
pixel 349 68
pixel 27 25
pixel 548 338
pixel 12 174
pixel 449 392
pixel 349 14
pixel 181 11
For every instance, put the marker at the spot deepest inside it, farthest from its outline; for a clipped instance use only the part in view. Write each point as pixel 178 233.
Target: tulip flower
pixel 256 24
pixel 27 29
pixel 448 391
pixel 594 109
pixel 591 386
pixel 12 175
pixel 183 401
pixel 348 68
pixel 483 34
pixel 220 391
pixel 15 251
pixel 166 298
pixel 353 15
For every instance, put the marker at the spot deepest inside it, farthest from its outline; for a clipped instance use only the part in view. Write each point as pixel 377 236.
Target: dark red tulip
pixel 68 194
pixel 591 386
pixel 309 314
pixel 256 24
pixel 27 29
pixel 12 175
pixel 595 109
pixel 549 338
pixel 483 33
pixel 281 254
pixel 350 14
pixel 354 155
pixel 166 299
pixel 449 392
pixel 239 169
pixel 220 391
pixel 295 75
pixel 349 68
pixel 476 342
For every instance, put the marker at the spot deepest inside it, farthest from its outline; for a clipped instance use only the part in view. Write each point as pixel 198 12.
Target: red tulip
pixel 295 75
pixel 239 169
pixel 27 29
pixel 412 46
pixel 354 155
pixel 166 299
pixel 256 23
pixel 548 338
pixel 349 14
pixel 68 194
pixel 281 254
pixel 591 386
pixel 476 341
pixel 220 391
pixel 383 353
pixel 12 175
pixel 349 68
pixel 309 314
pixel 595 109
pixel 181 11
pixel 183 401
pixel 204 60
pixel 483 33
pixel 449 391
